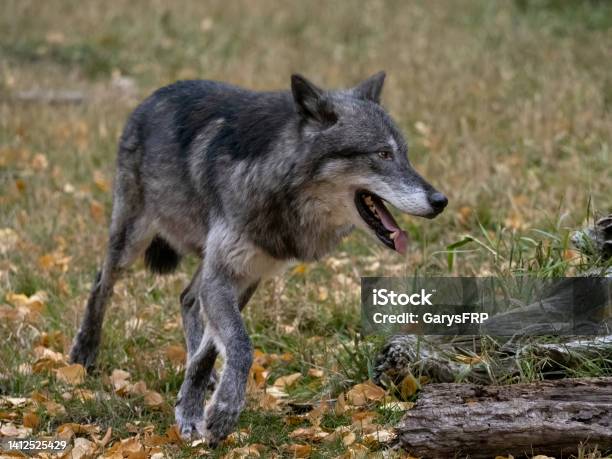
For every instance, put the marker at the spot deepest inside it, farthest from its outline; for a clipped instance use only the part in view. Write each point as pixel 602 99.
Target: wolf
pixel 249 182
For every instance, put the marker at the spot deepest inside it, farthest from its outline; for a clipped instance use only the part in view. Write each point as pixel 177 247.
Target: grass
pixel 507 107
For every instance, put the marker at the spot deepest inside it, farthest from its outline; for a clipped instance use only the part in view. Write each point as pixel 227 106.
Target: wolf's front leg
pixel 222 302
pixel 221 299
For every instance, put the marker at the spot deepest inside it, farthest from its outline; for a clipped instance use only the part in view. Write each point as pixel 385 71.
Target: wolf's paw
pixel 190 422
pixel 84 351
pixel 220 421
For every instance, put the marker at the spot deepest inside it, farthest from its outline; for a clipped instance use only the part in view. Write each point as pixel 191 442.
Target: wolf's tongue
pixel 400 240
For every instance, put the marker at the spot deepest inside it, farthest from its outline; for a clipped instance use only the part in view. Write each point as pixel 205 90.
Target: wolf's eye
pixel 385 155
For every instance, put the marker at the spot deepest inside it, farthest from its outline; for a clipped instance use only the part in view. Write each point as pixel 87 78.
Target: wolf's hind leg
pixel 128 239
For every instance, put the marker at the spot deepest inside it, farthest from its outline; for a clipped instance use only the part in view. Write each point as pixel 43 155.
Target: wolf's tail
pixel 160 257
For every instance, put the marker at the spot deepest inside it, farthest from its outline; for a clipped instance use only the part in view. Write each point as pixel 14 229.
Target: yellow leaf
pixel 173 435
pixel 101 181
pixel 268 402
pixel 120 381
pixel 361 394
pixel 464 214
pixel 8 240
pixel 82 449
pixel 408 387
pixel 31 419
pixel 394 405
pixel 39 162
pixel 246 451
pixel 349 439
pixel 287 381
pixel 308 434
pixel 340 407
pixel 300 269
pixel 138 388
pixel 72 429
pixel 10 430
pixel 377 437
pixel 315 373
pixel 54 408
pixel 299 450
pixel 176 354
pixel 20 184
pixel 97 211
pixel 363 418
pixel 72 374
pixel 469 359
pixel 153 399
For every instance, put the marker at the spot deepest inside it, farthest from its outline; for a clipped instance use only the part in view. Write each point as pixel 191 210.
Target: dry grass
pixel 507 108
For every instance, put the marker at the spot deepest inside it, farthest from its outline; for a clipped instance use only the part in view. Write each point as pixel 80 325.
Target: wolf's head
pixel 356 153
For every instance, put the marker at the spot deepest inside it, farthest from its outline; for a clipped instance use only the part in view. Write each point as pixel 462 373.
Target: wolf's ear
pixel 371 88
pixel 311 101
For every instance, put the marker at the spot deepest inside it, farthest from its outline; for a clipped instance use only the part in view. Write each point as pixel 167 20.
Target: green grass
pixel 506 107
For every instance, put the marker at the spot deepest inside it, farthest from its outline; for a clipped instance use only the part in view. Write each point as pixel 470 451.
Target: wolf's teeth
pixel 393 235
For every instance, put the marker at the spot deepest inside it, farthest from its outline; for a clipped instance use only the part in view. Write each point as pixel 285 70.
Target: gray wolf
pixel 248 181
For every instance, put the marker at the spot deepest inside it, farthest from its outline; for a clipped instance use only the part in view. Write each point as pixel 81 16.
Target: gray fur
pixel 248 181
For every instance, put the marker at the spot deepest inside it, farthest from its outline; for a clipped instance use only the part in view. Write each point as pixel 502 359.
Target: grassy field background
pixel 507 108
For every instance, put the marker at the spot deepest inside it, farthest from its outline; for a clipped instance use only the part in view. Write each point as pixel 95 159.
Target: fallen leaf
pixel 340 407
pixel 106 438
pixel 72 374
pixel 308 434
pixel 82 449
pixel 96 210
pixel 299 450
pixel 253 450
pixel 315 373
pixel 300 269
pixel 378 437
pixel 101 181
pixel 13 401
pixel 349 439
pixel 138 388
pixel 153 399
pixel 176 354
pixel 268 402
pixel 363 393
pixel 276 392
pixel 11 430
pixel 469 359
pixel 8 240
pixel 72 429
pixel 361 419
pixel 173 435
pixel 31 419
pixel 54 408
pixel 39 162
pixel 120 381
pixel 287 381
pixel 395 405
pixel 408 387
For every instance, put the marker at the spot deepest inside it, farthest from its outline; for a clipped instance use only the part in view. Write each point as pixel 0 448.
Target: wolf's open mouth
pixel 376 215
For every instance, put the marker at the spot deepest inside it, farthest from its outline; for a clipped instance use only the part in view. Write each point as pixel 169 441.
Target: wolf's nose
pixel 438 201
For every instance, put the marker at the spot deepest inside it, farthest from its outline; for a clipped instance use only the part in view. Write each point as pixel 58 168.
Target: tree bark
pixel 549 417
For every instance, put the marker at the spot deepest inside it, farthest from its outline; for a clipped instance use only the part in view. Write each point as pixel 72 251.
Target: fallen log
pixel 486 360
pixel 548 417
